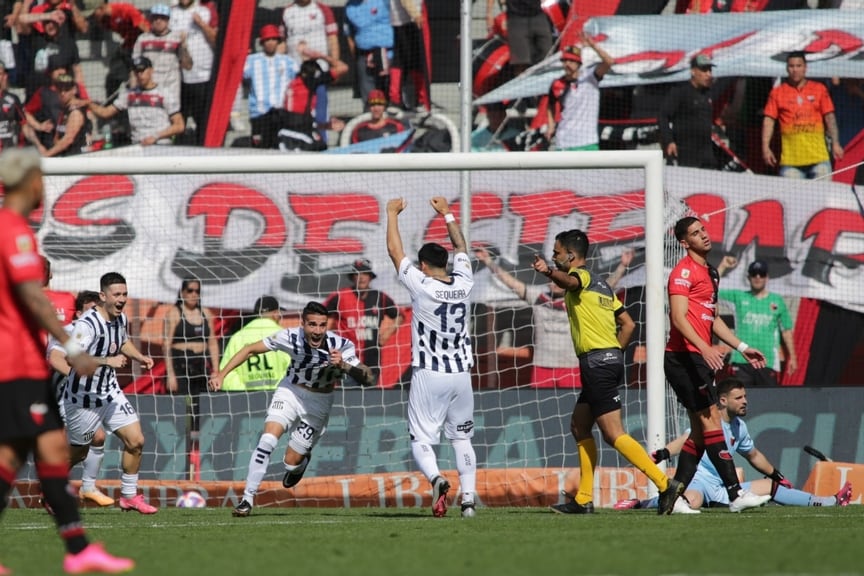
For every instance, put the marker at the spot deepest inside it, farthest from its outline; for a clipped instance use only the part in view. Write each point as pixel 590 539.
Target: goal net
pixel 294 227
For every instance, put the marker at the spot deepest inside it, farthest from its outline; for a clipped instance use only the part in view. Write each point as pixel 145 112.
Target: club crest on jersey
pixel 112 348
pixel 685 273
pixel 38 412
pixel 24 243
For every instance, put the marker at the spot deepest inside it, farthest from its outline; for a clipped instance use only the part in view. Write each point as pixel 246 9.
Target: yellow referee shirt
pixel 591 312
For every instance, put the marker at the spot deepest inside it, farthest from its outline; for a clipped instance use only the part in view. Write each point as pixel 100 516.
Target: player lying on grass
pixel 706 488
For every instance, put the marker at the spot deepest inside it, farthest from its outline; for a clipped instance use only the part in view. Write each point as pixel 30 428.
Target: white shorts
pixel 305 414
pixel 439 399
pixel 82 423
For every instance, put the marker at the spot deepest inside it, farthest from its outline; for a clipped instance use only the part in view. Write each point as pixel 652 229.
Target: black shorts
pixel 408 50
pixel 190 368
pixel 691 379
pixel 28 408
pixel 602 373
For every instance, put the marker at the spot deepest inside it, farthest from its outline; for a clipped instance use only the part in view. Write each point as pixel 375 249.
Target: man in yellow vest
pixel 259 371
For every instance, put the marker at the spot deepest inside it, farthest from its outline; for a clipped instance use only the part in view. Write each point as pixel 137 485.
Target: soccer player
pixel 441 355
pixel 595 316
pixel 85 300
pixel 706 488
pixel 98 400
pixel 304 398
pixel 690 362
pixel 29 418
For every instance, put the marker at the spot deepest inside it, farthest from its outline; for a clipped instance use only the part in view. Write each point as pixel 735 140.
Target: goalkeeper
pixel 706 488
pixel 595 313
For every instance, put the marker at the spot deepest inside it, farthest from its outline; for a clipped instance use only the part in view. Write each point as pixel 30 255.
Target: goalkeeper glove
pixel 660 455
pixel 778 478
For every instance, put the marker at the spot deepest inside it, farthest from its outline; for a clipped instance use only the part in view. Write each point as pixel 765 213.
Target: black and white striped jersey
pixel 310 366
pixel 101 339
pixel 440 337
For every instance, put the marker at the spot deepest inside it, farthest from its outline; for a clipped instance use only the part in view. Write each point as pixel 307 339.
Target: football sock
pixel 92 464
pixel 427 462
pixel 55 488
pixel 7 479
pixel 128 485
pixel 792 497
pixel 466 465
pixel 258 465
pixel 718 453
pixel 688 461
pixel 633 451
pixel 587 461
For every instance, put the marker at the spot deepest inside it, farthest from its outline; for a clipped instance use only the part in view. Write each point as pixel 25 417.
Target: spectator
pixel 409 65
pixel 189 339
pixel 529 32
pixel 497 130
pixel 54 50
pixel 72 130
pixel 686 118
pixel 370 37
pixel 198 24
pixel 706 489
pixel 552 361
pixel 166 49
pixel 44 109
pixel 761 317
pixel 600 329
pixel 380 124
pixel 574 100
pixel 299 129
pixel 302 403
pixel 259 371
pixel 24 384
pixel 154 116
pixel 12 115
pixel 440 397
pixel 65 13
pixel 366 316
pixel 129 23
pixel 805 113
pixel 690 362
pixel 311 29
pixel 268 74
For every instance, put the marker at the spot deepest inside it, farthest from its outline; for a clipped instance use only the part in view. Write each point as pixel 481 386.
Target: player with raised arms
pixel 441 355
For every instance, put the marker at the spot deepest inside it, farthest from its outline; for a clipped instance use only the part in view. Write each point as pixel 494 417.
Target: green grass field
pixel 409 542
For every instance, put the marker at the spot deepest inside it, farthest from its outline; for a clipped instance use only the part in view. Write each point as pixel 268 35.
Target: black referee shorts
pixel 691 379
pixel 602 373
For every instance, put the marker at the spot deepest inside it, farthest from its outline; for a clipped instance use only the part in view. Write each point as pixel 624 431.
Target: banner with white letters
pixel 653 49
pixel 295 236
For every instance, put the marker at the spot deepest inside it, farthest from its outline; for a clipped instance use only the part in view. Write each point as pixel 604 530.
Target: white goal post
pixel 68 171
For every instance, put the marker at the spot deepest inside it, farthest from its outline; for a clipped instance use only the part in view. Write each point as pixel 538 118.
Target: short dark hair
pixel 575 241
pixel 729 384
pixel 110 279
pixel 433 254
pixel 314 308
pixel 796 54
pixel 85 297
pixel 683 225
